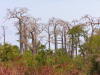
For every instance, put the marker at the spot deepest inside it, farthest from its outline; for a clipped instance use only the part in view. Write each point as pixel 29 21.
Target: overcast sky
pixel 45 9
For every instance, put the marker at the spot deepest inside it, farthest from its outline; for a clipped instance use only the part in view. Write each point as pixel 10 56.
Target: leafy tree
pixel 75 33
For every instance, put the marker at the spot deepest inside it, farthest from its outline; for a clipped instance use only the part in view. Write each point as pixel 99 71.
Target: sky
pixel 45 9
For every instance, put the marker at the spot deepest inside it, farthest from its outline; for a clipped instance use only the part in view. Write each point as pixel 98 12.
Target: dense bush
pixel 8 52
pixel 44 62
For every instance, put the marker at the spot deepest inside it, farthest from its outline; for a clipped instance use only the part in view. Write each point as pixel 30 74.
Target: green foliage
pixel 76 30
pixel 47 57
pixel 92 46
pixel 41 48
pixel 61 57
pixel 8 52
pixel 50 57
pixel 41 58
pixel 79 61
pixel 28 58
pixel 91 49
pixel 95 61
pixel 58 60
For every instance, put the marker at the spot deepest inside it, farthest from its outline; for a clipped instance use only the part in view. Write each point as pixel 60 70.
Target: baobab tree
pixel 57 33
pixel 54 31
pixel 34 30
pixel 64 27
pixel 61 30
pixel 19 15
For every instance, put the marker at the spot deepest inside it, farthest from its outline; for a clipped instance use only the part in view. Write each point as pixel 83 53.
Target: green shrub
pixel 62 57
pixel 41 58
pixel 28 58
pixel 79 61
pixel 8 52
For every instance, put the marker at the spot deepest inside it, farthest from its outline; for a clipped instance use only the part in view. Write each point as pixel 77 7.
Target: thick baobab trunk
pixel 55 37
pixel 33 43
pixel 25 37
pixel 20 36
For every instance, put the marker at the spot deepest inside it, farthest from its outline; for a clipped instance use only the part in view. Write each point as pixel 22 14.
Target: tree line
pixel 58 33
